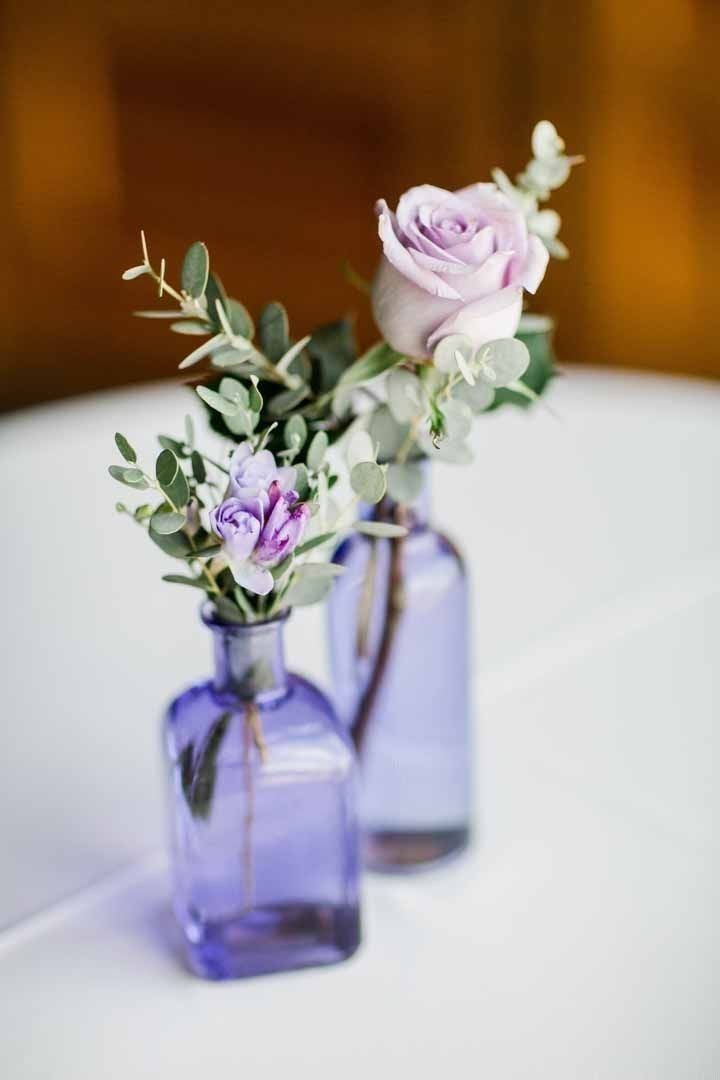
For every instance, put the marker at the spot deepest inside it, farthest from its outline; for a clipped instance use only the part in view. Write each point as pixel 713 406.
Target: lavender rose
pixel 261 520
pixel 453 263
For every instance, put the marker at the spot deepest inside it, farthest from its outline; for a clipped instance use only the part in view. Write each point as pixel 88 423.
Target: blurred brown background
pixel 268 130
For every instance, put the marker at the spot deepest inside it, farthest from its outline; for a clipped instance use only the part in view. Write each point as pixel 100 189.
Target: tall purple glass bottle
pixel 263 817
pixel 398 621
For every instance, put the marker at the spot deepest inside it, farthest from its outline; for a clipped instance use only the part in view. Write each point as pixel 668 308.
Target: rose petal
pixel 535 264
pixel 252 577
pixel 496 316
pixel 405 314
pixel 402 260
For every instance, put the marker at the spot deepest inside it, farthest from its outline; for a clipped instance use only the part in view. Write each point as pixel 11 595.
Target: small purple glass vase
pixel 398 627
pixel 263 817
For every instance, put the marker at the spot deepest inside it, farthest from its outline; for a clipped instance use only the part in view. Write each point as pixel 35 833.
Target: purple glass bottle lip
pixel 211 618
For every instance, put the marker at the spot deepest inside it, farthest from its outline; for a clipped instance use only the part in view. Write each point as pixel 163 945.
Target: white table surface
pixel 578 940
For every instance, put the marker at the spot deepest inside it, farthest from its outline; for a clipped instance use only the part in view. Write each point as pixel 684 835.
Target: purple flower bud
pixel 283 529
pixel 261 521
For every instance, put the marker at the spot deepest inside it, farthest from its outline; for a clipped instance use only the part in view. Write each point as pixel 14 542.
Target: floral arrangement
pixel 254 530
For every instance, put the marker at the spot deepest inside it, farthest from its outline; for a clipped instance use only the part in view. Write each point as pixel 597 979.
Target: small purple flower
pixel 284 527
pixel 261 521
pixel 252 474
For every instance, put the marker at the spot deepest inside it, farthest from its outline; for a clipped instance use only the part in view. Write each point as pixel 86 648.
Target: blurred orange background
pixel 269 130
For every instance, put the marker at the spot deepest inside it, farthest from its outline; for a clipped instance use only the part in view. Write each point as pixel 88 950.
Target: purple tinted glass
pixel 412 722
pixel 263 818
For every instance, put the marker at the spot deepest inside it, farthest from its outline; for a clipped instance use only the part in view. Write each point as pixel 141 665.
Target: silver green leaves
pixel 171 480
pixel 367 480
pixel 125 448
pixel 195 270
pixel 374 362
pixel 311 583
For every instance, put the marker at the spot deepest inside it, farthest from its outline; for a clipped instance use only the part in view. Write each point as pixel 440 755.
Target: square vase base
pixel 400 851
pixel 272 939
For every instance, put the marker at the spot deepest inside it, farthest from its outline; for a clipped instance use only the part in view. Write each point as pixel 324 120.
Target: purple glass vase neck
pixel 249 657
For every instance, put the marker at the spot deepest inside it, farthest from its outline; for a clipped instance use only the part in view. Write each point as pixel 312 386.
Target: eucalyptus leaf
pixel 175 445
pixel 205 773
pixel 302 482
pixel 479 397
pixel 167 467
pixel 166 522
pixel 216 401
pixel 307 591
pixel 386 433
pixel 239 318
pixel 195 270
pixel 332 350
pixel 458 419
pixel 406 395
pixel 360 447
pixel 198 467
pixel 368 481
pixel 189 431
pixel 190 326
pixel 319 570
pixel 234 391
pixel 377 359
pixel 506 358
pixel 255 399
pixel 133 476
pixel 228 611
pixel 278 572
pixel 273 331
pixel 176 544
pixel 135 272
pixel 404 482
pixel 445 356
pixel 317 450
pixel 295 432
pixel 242 422
pixel 215 292
pixel 202 351
pixel 118 473
pixel 181 579
pixel 385 529
pixel 316 541
pixel 231 357
pixel 286 400
pixel 125 448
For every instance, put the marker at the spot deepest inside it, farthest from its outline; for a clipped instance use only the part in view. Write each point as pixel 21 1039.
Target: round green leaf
pixel 404 482
pixel 165 522
pixel 444 356
pixel 368 481
pixel 295 432
pixel 506 358
pixel 458 419
pixel 167 467
pixel 405 394
pixel 317 450
pixel 386 433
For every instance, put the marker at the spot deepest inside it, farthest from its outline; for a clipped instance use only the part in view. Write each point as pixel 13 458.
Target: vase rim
pixel 211 618
pixel 532 322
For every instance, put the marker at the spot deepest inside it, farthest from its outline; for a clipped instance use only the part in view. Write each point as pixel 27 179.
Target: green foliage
pixel 181 579
pixel 125 448
pixel 332 350
pixel 199 771
pixel 295 432
pixel 195 270
pixel 166 522
pixel 374 362
pixel 404 482
pixel 273 331
pixel 368 481
pixel 316 451
pixel 384 529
